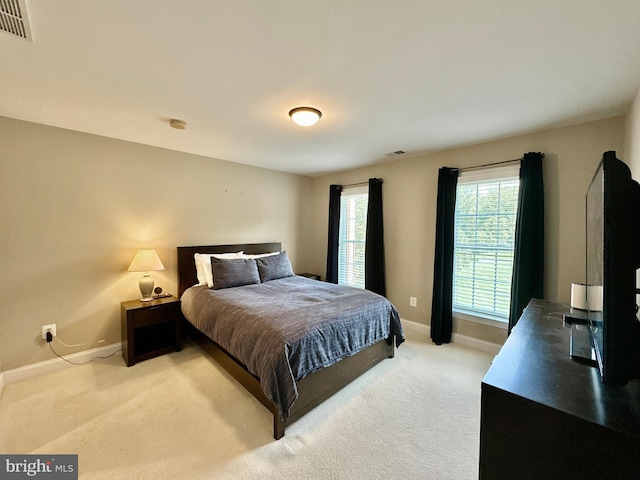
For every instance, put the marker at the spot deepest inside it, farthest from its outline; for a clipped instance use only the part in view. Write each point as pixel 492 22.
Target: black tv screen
pixel 613 257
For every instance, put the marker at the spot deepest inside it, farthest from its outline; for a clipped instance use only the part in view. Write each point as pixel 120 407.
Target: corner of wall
pixel 632 137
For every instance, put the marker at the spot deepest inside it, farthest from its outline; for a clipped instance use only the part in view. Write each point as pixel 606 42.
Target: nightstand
pixel 310 275
pixel 150 329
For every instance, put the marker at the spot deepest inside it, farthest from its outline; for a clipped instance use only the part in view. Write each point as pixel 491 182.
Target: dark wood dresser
pixel 546 416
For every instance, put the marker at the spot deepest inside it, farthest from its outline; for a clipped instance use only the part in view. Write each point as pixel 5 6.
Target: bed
pixel 287 365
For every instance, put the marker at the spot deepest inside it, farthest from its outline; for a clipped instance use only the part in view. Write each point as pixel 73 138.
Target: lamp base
pixel 146 287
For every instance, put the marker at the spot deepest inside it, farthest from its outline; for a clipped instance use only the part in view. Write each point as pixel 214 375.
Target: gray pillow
pixel 234 272
pixel 274 267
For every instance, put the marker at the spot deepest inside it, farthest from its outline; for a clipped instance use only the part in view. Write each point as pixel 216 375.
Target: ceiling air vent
pixel 14 20
pixel 395 154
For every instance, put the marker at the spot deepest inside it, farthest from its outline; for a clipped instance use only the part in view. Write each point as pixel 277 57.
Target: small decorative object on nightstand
pixel 150 329
pixel 158 293
pixel 313 276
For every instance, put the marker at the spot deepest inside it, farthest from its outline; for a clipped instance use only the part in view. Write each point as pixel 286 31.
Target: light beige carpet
pixel 181 416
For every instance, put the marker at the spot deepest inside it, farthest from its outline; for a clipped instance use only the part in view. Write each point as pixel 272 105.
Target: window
pixel 353 228
pixel 485 219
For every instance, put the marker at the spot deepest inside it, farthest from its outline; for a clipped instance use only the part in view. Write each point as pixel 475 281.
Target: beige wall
pixel 632 138
pixel 632 145
pixel 75 207
pixel 409 191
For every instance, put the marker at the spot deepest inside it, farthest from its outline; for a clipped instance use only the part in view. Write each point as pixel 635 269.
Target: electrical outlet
pixel 48 328
pixel 413 302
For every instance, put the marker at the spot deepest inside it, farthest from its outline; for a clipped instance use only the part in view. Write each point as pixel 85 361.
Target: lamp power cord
pixel 50 341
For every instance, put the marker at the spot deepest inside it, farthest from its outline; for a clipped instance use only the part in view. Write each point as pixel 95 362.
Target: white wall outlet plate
pixel 48 328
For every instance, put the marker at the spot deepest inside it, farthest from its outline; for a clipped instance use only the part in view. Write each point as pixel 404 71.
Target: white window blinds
pixel 485 218
pixel 353 228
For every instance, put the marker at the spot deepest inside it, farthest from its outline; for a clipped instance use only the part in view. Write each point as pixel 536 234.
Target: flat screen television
pixel 613 258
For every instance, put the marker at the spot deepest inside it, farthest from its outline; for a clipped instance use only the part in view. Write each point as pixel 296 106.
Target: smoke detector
pixel 177 124
pixel 14 19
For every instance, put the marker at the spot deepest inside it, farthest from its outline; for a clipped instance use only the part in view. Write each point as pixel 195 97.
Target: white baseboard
pixel 416 327
pixel 48 366
pixel 465 340
pixel 8 377
pixel 482 345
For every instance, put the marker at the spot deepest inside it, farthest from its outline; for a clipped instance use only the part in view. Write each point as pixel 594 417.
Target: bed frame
pixel 313 389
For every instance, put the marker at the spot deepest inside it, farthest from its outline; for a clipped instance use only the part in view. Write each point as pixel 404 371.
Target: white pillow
pixel 203 265
pixel 259 255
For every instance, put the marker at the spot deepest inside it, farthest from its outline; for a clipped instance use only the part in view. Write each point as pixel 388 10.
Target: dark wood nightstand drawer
pixel 155 314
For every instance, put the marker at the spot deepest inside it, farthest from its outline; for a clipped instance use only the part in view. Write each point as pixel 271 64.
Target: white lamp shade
pixel 145 261
pixel 586 297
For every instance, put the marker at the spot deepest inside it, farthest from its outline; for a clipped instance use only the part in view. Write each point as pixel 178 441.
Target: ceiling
pixel 412 75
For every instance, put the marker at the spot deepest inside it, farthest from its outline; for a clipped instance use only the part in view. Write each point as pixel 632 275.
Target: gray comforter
pixel 286 328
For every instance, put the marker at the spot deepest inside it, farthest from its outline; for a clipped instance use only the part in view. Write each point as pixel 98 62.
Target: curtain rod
pixel 360 183
pixel 490 164
pixel 355 184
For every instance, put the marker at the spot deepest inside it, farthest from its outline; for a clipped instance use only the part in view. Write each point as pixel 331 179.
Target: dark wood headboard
pixel 187 276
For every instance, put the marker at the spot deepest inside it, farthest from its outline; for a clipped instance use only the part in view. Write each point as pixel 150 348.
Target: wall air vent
pixel 14 20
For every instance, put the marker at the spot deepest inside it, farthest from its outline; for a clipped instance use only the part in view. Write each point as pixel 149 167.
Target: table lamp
pixel 146 261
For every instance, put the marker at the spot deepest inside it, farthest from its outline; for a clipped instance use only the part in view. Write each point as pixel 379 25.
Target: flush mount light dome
pixel 305 116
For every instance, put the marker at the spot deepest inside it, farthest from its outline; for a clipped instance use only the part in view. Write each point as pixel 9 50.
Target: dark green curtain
pixel 441 306
pixel 334 233
pixel 527 281
pixel 374 274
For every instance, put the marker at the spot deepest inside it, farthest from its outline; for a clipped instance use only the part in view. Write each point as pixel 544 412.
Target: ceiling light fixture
pixel 305 116
pixel 177 124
